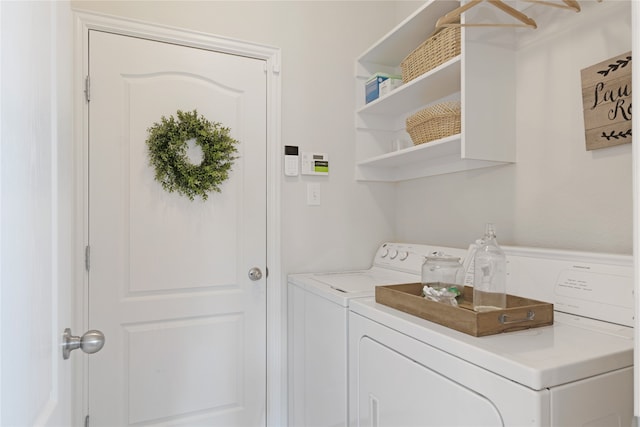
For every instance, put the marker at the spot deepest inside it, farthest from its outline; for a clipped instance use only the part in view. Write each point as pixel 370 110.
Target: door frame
pixel 276 323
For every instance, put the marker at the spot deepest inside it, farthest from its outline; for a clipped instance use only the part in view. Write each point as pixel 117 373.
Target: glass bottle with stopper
pixel 490 274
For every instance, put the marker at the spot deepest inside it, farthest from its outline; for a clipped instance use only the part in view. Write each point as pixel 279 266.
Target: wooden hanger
pixel 452 19
pixel 568 4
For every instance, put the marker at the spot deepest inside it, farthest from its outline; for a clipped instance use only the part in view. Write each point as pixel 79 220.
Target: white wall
pixel 319 42
pixel 635 20
pixel 557 195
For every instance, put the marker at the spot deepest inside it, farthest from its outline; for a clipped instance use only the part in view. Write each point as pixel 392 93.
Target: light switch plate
pixel 313 194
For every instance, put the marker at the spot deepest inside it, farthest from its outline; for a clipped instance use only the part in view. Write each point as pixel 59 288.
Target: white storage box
pixel 388 85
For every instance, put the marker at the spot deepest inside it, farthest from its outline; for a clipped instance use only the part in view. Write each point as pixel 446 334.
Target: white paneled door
pixel 36 268
pixel 168 277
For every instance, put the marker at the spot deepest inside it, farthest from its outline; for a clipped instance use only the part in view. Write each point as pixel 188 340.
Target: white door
pixel 185 326
pixel 35 221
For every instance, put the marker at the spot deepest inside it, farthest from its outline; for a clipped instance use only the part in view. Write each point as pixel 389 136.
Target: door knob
pixel 255 274
pixel 91 342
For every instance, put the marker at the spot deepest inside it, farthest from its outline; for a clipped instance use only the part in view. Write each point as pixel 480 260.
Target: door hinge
pixel 87 257
pixel 87 88
pixel 86 421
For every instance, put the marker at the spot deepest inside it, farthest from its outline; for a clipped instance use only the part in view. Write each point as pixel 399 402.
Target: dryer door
pixel 396 391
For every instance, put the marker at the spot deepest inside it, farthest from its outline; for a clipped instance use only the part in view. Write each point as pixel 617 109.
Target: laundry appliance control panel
pixel 409 257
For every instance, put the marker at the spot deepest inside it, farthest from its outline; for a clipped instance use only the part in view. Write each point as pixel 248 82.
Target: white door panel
pixel 422 385
pixel 35 225
pixel 184 223
pixel 184 325
pixel 410 394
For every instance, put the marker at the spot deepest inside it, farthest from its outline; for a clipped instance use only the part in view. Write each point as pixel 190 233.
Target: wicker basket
pixel 436 50
pixel 435 122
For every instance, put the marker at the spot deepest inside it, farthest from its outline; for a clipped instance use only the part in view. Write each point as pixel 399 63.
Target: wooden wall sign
pixel 606 102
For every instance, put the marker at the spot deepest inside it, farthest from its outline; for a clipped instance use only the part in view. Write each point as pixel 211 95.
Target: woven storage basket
pixel 436 50
pixel 435 122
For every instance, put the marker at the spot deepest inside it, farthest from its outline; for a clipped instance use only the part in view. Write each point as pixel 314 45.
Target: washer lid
pixel 340 287
pixel 363 280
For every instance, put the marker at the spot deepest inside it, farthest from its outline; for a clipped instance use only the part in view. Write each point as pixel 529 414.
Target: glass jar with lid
pixel 440 271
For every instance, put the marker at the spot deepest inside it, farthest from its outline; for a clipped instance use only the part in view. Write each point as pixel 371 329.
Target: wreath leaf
pixel 167 146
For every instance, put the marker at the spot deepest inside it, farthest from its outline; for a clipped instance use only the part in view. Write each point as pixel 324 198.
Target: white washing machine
pixel 406 371
pixel 318 305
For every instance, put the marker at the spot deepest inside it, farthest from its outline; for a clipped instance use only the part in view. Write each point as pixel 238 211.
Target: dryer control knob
pixel 385 252
pixel 403 255
pixel 393 254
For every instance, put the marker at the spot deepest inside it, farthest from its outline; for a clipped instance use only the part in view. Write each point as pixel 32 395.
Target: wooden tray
pixel 521 313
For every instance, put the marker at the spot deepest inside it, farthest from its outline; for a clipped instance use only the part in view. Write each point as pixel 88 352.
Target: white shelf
pixel 436 84
pixel 416 154
pixel 488 102
pixel 391 49
pixel 429 159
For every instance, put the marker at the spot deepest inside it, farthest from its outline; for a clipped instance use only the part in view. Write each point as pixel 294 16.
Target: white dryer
pixel 406 371
pixel 318 305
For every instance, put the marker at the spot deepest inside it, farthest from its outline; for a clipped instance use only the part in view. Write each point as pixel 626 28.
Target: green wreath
pixel 167 143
